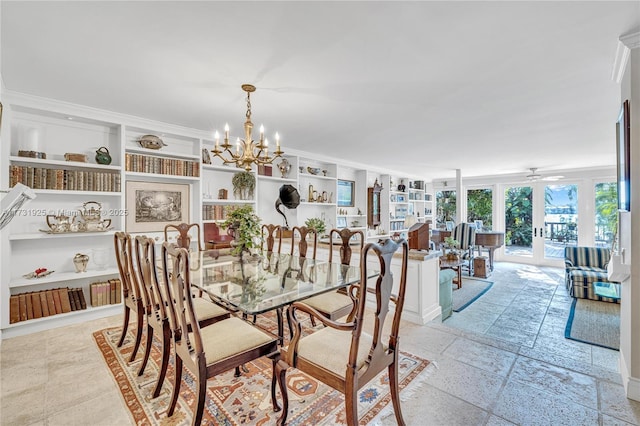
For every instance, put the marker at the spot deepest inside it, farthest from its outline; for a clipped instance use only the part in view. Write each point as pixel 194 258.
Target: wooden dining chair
pixel 301 234
pixel 156 307
pixel 184 238
pixel 131 292
pixel 269 234
pixel 211 350
pixel 342 355
pixel 339 303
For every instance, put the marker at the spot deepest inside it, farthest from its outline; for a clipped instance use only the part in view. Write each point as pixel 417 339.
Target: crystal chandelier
pixel 247 151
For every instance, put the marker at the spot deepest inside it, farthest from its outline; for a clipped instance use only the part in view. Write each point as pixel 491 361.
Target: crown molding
pixel 623 51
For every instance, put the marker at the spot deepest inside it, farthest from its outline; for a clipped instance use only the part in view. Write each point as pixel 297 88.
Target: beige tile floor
pixel 503 360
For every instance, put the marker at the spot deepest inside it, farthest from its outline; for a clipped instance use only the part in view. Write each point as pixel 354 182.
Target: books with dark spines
pixel 83 302
pixel 72 301
pixel 64 299
pixel 14 309
pixel 37 307
pixel 76 298
pixel 112 291
pixel 44 304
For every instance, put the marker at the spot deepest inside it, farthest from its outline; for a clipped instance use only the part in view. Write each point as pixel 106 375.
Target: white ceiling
pixel 423 87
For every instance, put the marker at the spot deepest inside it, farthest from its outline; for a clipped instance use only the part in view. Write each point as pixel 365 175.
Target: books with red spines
pixel 37 307
pixel 44 304
pixel 23 306
pixel 64 299
pixel 27 298
pixel 14 309
pixel 50 303
pixel 56 301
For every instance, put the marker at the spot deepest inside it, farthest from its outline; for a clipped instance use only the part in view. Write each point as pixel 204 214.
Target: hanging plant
pixel 244 184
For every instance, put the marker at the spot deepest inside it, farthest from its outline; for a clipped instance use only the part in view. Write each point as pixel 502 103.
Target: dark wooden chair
pixel 301 234
pixel 337 304
pixel 184 238
pixel 211 350
pixel 342 355
pixel 269 234
pixel 131 292
pixel 156 306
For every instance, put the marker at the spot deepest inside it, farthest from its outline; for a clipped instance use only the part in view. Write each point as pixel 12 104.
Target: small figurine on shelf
pixel 38 273
pixel 80 262
pixel 402 187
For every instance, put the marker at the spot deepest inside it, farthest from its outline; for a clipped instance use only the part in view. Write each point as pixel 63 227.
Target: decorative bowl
pixel 151 142
pixel 313 170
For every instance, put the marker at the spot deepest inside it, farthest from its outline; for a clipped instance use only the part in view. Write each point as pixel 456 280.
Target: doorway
pixel 541 219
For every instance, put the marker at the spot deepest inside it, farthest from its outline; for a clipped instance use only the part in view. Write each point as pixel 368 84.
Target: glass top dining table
pixel 268 281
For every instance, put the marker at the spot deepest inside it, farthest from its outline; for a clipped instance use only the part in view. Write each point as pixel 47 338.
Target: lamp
pixel 247 152
pixel 13 201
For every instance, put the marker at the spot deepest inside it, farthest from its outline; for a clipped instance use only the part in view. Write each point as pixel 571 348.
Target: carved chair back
pixel 184 238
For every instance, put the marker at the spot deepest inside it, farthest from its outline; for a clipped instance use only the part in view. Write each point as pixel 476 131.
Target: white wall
pixel 630 226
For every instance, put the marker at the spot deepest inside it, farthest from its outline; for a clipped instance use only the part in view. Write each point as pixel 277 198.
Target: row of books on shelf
pixel 106 292
pixel 74 180
pixel 38 304
pixel 396 225
pixel 161 165
pixel 216 212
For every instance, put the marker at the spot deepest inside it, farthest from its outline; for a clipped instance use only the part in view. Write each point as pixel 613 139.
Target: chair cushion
pixel 329 302
pixel 205 309
pixel 229 337
pixel 329 348
pixel 587 256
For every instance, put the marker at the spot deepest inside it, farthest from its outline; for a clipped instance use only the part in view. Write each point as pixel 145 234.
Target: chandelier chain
pixel 248 114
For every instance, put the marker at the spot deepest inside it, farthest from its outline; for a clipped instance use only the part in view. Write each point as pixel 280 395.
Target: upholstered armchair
pixel 465 235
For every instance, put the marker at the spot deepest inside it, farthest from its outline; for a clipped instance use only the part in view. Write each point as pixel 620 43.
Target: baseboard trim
pixel 631 384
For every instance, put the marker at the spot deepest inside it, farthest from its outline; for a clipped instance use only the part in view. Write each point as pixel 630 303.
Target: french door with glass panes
pixel 541 219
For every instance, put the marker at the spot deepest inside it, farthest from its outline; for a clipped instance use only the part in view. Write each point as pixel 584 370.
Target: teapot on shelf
pixel 103 156
pixel 91 213
pixel 63 223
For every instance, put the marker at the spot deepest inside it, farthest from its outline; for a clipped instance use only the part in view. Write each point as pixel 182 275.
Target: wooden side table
pixel 456 266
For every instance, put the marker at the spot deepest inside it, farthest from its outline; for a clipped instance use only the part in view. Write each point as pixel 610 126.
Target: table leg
pixel 491 250
pixel 280 326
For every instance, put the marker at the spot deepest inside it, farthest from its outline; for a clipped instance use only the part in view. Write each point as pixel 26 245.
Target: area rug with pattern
pixel 244 400
pixel 469 292
pixel 594 322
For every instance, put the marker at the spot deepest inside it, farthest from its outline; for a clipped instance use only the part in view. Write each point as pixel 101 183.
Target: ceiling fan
pixel 534 176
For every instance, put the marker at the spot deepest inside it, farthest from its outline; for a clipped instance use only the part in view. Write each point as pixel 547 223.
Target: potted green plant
pixel 316 224
pixel 452 245
pixel 244 184
pixel 244 226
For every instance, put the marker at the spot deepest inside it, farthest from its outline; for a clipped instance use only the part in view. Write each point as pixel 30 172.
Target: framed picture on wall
pixel 623 139
pixel 346 190
pixel 152 205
